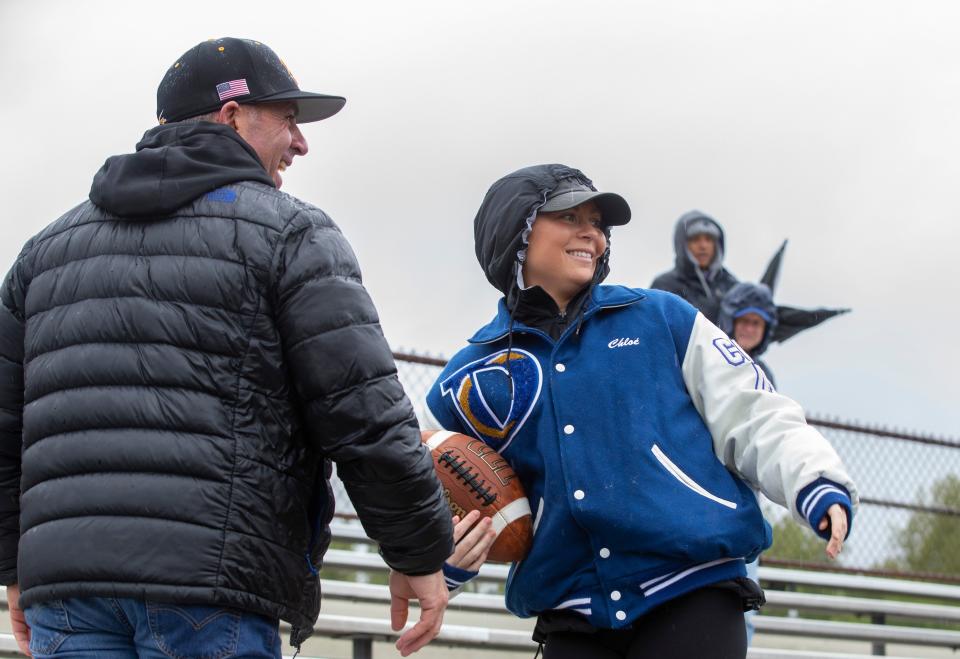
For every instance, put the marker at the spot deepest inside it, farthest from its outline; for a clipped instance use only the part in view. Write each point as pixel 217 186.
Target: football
pixel 475 477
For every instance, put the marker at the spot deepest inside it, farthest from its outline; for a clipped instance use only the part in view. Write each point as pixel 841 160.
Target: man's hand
pixel 473 540
pixel 21 632
pixel 836 518
pixel 431 591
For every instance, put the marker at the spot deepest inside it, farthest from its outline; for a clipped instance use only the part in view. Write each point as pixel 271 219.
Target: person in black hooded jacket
pixel 181 358
pixel 698 275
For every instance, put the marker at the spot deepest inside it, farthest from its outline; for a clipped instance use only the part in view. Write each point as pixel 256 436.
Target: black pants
pixel 704 624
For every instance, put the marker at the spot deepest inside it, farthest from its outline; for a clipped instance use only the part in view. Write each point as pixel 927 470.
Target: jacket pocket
pixel 194 631
pixel 536 519
pixel 681 476
pixel 49 627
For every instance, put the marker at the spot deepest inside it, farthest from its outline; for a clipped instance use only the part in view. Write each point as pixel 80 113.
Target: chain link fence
pixel 908 524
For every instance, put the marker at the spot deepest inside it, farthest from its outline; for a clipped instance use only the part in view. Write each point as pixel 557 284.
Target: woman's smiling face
pixel 563 251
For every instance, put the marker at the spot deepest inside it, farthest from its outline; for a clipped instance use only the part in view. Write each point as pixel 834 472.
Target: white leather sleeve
pixel 757 433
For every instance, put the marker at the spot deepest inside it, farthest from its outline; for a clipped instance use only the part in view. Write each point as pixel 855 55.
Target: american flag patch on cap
pixel 233 88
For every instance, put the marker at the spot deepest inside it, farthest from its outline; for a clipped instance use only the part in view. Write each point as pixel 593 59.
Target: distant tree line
pixel 928 542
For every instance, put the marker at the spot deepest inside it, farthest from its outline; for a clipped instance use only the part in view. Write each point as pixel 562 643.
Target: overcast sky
pixel 834 124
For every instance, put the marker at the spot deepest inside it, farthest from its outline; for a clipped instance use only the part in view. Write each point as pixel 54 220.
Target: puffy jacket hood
pixel 173 165
pixel 749 296
pixel 684 259
pixel 502 225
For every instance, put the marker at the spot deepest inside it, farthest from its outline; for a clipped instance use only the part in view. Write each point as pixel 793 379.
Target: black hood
pixel 173 165
pixel 684 260
pixel 502 224
pixel 754 297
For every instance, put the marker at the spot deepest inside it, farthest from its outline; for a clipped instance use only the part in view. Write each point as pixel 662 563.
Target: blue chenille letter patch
pixel 733 353
pixel 493 402
pixel 737 356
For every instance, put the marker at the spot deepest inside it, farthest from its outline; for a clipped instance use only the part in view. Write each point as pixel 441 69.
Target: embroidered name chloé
pixel 623 342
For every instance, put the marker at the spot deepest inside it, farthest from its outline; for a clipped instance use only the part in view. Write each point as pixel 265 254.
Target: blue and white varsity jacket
pixel 639 443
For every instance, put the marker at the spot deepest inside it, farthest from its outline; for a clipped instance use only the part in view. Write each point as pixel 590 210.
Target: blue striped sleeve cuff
pixel 814 500
pixel 456 577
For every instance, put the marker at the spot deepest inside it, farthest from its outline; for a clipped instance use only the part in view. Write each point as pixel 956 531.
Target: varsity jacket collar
pixel 603 297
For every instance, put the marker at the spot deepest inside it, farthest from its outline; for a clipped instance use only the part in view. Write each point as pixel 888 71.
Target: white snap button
pixel 604 553
pixel 621 615
pixel 615 596
pixel 568 429
pixel 560 368
pixel 578 495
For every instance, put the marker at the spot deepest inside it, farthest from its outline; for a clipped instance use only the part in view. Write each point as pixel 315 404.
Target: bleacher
pixel 890 617
pixel 928 615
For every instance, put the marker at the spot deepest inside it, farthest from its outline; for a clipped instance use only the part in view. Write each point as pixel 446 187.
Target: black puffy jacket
pixel 180 359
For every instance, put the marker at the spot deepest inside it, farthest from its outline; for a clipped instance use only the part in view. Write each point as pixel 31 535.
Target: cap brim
pixel 614 208
pixel 757 310
pixel 310 106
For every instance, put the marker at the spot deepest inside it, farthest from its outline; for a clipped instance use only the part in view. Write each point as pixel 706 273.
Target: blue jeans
pixel 130 629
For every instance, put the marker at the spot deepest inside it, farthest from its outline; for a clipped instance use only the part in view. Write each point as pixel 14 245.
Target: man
pixel 748 315
pixel 698 276
pixel 181 357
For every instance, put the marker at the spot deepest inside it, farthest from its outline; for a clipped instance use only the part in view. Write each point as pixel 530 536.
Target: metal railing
pixel 926 614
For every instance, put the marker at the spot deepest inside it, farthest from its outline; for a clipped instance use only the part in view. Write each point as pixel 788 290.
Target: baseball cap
pixel 702 225
pixel 757 310
pixel 219 70
pixel 572 192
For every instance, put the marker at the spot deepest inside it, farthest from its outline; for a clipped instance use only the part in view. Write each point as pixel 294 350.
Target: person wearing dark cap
pixel 749 316
pixel 698 275
pixel 638 433
pixel 182 358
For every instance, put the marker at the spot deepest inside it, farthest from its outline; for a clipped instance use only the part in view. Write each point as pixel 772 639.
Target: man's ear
pixel 229 114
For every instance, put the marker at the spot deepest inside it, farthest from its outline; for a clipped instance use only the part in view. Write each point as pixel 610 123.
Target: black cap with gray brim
pixel 571 192
pixel 217 71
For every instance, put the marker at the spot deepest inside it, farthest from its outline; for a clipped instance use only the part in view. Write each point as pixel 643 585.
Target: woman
pixel 637 429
